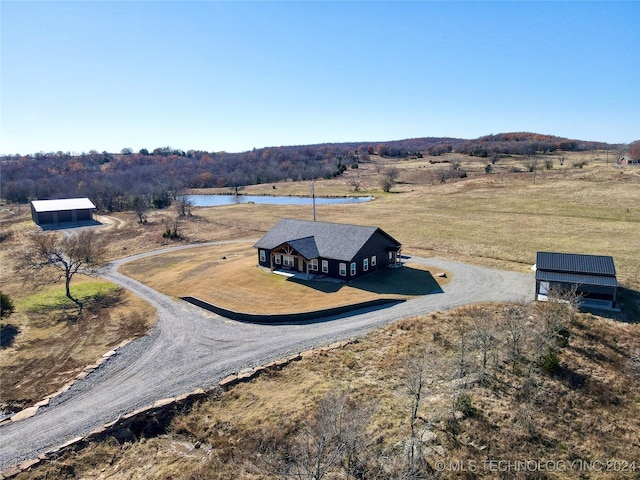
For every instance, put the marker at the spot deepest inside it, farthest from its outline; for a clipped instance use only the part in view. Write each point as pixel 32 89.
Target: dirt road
pixel 190 348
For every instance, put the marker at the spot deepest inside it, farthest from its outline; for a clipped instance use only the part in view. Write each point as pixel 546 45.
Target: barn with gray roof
pixel 334 250
pixel 593 277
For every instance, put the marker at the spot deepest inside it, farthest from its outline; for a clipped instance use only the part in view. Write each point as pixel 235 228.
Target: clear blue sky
pixel 232 76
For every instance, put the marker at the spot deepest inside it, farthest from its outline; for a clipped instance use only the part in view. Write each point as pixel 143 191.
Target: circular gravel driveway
pixel 190 348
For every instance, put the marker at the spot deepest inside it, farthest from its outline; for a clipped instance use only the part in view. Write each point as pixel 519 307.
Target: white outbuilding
pixel 62 212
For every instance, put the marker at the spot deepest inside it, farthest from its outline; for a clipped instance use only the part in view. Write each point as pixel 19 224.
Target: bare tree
pixel 356 181
pixel 513 331
pixel 334 436
pixel 50 258
pixel 531 164
pixel 551 318
pixel 460 327
pixel 140 205
pixel 183 205
pixel 389 177
pixel 172 230
pixel 483 331
pixel 416 378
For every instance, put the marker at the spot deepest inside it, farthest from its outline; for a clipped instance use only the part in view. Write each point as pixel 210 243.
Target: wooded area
pixel 116 182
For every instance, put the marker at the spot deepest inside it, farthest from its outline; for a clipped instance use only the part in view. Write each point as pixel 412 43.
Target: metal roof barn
pixel 593 277
pixel 62 213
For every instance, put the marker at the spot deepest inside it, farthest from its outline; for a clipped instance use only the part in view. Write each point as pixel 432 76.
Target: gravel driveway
pixel 190 348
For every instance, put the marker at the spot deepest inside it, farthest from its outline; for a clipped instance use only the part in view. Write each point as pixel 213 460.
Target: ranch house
pixel 334 250
pixel 593 277
pixel 62 212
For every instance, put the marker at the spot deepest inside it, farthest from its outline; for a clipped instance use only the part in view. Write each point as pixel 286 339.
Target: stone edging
pixel 31 411
pixel 148 418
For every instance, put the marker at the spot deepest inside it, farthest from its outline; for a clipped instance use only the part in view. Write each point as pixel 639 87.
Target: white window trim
pixel 288 261
pixel 263 256
pixel 353 268
pixel 343 269
pixel 313 265
pixel 277 259
pixel 325 266
pixel 365 264
pixel 373 260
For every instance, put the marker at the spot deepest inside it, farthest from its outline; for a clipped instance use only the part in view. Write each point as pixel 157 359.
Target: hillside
pixel 413 400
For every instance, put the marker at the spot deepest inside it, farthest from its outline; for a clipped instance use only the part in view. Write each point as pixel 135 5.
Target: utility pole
pixel 313 196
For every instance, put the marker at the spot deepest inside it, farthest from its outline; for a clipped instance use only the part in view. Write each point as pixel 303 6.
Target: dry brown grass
pixel 498 220
pixel 228 276
pixel 587 411
pixel 43 350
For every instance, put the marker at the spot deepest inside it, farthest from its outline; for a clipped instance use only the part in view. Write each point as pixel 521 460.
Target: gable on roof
pixel 306 247
pixel 336 241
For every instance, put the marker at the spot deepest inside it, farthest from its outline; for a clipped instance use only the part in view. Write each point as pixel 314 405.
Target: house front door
pixel 300 265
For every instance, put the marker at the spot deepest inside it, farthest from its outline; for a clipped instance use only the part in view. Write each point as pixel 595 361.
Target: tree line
pixel 114 181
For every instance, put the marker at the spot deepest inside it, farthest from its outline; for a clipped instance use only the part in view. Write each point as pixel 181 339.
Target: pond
pixel 220 200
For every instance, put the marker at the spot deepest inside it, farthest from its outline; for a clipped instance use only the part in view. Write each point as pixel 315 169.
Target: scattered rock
pixel 26 413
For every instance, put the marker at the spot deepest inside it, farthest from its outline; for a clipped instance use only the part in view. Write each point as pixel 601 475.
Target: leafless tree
pixel 389 178
pixel 334 436
pixel 183 205
pixel 172 230
pixel 356 181
pixel 550 320
pixel 513 331
pixel 140 205
pixel 460 327
pixel 49 258
pixel 417 375
pixel 483 333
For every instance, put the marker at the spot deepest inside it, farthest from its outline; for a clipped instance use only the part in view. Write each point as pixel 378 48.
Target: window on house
pixel 263 256
pixel 313 265
pixel 390 255
pixel 365 264
pixel 373 260
pixel 278 259
pixel 353 268
pixel 325 266
pixel 288 261
pixel 343 269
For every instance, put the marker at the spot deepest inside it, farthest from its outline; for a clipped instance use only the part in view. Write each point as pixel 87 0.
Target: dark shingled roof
pixel 306 247
pixel 336 241
pixel 575 268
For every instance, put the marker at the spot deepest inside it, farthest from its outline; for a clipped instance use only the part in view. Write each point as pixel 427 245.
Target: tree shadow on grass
pixel 387 281
pixel 8 333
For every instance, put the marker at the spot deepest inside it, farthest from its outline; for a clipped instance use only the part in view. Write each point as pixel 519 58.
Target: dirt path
pixel 190 348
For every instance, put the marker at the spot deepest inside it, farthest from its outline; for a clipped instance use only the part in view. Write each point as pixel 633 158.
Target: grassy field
pixel 499 220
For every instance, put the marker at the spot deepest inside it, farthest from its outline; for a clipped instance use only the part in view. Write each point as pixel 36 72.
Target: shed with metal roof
pixel 593 277
pixel 335 250
pixel 62 212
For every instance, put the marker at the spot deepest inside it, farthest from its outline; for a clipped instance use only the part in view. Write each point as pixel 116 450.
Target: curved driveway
pixel 190 348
